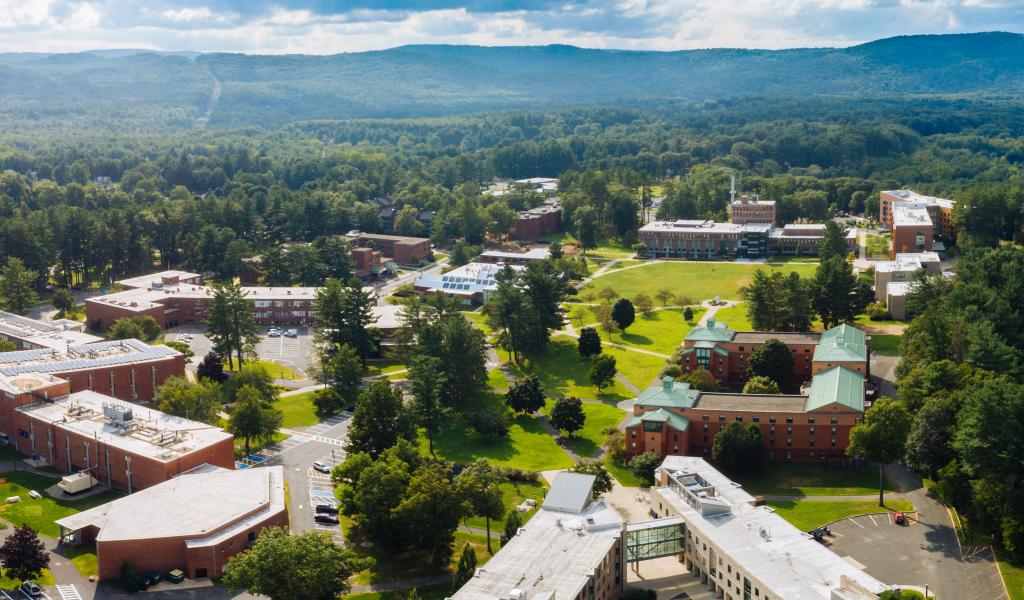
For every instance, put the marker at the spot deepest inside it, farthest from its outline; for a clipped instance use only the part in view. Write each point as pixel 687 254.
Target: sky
pixel 328 27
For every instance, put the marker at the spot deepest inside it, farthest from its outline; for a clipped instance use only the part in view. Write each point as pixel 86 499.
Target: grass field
pixel 513 494
pixel 275 370
pixel 864 321
pixel 810 479
pixel 877 245
pixel 45 579
pixel 735 317
pixel 40 514
pixel 888 345
pixel 83 558
pixel 622 264
pixel 394 567
pixel 587 441
pixel 479 320
pixel 698 280
pixel 563 373
pixel 624 476
pixel 527 445
pixel 297 410
pixel 496 379
pixel 808 514
pixel 660 331
pixel 1013 574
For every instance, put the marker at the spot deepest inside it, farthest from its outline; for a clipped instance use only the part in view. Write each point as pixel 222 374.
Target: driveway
pixel 926 552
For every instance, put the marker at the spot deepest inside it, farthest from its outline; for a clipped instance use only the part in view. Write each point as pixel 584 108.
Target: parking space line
pixel 872 517
pixel 854 521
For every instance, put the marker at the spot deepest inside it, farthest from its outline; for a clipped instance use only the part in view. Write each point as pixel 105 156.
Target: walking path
pixel 401 585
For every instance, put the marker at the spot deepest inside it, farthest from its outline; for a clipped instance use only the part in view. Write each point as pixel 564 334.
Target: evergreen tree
pixel 16 287
pixel 833 242
pixel 466 569
pixel 525 395
pixel 427 378
pixel 589 343
pixel 512 524
pixel 837 294
pixel 623 313
pixel 345 316
pixel 230 325
pixel 773 360
pixel 796 313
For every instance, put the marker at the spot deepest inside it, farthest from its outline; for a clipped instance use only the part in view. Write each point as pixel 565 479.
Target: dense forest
pixel 148 90
pixel 93 205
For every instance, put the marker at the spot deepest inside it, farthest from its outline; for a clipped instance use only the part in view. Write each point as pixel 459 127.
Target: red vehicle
pixel 899 518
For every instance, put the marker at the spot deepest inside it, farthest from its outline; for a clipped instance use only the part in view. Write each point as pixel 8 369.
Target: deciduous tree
pixel 773 360
pixel 623 313
pixel 589 343
pixel 200 401
pixel 23 554
pixel 16 287
pixel 481 486
pixel 603 481
pixel 881 436
pixel 602 371
pixel 381 418
pixel 250 420
pixel 738 447
pixel 525 395
pixel 567 415
pixel 759 384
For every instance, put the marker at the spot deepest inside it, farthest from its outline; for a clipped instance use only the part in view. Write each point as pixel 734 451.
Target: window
pixel 741 349
pixel 811 443
pixel 771 419
pixel 835 420
pixel 649 426
pixel 789 441
pixel 834 430
pixel 703 357
pixel 705 427
pixel 789 419
pixel 755 419
pixel 721 418
pixel 704 418
pixel 811 430
pixel 810 420
pixel 833 441
pixel 771 429
pixel 739 419
pixel 789 430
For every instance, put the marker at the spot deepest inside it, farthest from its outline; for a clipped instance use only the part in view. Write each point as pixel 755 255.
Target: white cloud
pixel 288 27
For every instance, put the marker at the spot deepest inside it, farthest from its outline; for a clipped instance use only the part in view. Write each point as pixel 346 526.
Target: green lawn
pixel 695 279
pixel 877 245
pixel 497 380
pixel 479 320
pixel 430 592
pixel 386 366
pixel 527 445
pixel 40 514
pixel 275 370
pixel 638 368
pixel 660 331
pixel 808 514
pixel 563 373
pixel 810 479
pixel 735 317
pixel 393 567
pixel 587 441
pixel 862 320
pixel 44 579
pixel 513 494
pixel 623 264
pixel 888 345
pixel 624 476
pixel 83 558
pixel 298 410
pixel 1013 574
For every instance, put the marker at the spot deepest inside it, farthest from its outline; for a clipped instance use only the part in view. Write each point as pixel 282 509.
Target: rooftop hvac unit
pixel 117 412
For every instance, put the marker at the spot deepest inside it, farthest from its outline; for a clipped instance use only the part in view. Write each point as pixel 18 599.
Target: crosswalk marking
pixel 327 440
pixel 68 592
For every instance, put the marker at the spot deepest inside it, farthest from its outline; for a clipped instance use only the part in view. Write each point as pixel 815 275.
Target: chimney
pixel 711 323
pixel 666 383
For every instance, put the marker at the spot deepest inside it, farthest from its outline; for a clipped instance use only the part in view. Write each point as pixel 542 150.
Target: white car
pixel 291 333
pixel 321 466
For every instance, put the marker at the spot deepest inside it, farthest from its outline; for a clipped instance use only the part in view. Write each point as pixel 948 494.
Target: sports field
pixel 700 281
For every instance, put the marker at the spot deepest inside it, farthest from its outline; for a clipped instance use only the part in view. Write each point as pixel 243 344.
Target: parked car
pixel 322 467
pixel 273 333
pixel 326 509
pixel 30 589
pixel 291 333
pixel 152 578
pixel 326 519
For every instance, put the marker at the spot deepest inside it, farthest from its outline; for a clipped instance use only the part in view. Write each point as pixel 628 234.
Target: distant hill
pixel 176 88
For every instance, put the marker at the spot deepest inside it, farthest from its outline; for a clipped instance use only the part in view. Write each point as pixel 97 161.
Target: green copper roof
pixel 837 385
pixel 712 331
pixel 842 344
pixel 668 394
pixel 661 416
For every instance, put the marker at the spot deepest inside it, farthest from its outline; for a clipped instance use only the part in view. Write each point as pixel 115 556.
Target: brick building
pixel 366 263
pixel 401 249
pixel 173 298
pixel 520 259
pixel 912 229
pixel 537 222
pixel 195 522
pixel 804 239
pixel 670 418
pixel 940 210
pixel 752 210
pixel 30 334
pixel 125 369
pixel 725 352
pixel 123 445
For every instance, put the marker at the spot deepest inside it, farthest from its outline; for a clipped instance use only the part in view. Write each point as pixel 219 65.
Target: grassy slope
pixel 588 440
pixel 888 345
pixel 513 494
pixel 810 479
pixel 298 410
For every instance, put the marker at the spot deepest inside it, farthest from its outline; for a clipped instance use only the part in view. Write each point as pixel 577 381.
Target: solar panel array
pixel 79 359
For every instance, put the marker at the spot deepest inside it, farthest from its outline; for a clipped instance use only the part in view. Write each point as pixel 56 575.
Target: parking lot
pixel 924 552
pixel 293 352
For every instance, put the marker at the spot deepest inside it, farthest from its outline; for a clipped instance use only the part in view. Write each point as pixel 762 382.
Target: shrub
pixel 520 475
pixel 489 423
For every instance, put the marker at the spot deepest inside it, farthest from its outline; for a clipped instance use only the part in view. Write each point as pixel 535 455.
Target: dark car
pixel 326 509
pixel 152 578
pixel 326 519
pixel 30 589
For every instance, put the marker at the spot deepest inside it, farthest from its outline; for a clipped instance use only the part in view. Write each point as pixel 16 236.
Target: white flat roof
pixel 698 225
pixel 145 298
pixel 387 316
pixel 531 254
pixel 554 553
pixel 784 559
pixel 149 433
pixel 39 333
pixel 204 506
pixel 912 196
pixel 909 215
pixel 83 357
pixel 146 280
pixel 897 288
pixel 468 279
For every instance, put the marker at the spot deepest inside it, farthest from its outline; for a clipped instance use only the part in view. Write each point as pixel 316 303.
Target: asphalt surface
pixel 292 352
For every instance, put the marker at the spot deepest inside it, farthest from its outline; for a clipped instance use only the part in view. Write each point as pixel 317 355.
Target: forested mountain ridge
pixel 150 90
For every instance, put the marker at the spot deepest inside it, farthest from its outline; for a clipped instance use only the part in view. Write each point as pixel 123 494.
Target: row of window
pixel 771 419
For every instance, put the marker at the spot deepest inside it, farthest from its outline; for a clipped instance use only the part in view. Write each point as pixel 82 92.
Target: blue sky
pixel 326 27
